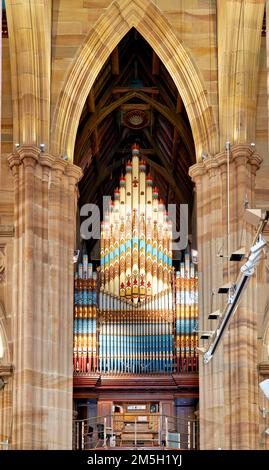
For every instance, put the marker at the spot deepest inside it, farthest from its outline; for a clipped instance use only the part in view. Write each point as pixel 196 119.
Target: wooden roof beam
pixel 115 66
pixel 155 64
pixel 176 120
pixel 91 102
pixel 179 106
pixel 144 151
pixel 168 175
pixel 151 90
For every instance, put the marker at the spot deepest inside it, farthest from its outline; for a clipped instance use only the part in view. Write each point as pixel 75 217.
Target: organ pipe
pixel 137 316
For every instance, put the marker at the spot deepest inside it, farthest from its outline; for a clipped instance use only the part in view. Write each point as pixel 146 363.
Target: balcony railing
pixel 134 430
pixel 4 445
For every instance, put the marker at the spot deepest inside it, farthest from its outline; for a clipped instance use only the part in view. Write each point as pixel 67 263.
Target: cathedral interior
pixel 133 225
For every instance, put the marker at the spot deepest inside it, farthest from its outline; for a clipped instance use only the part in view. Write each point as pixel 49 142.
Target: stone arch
pixel 111 27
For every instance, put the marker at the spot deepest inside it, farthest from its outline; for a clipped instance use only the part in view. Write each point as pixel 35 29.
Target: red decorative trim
pixel 135 119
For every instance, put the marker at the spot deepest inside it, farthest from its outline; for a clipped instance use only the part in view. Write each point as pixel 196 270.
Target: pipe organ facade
pixel 136 314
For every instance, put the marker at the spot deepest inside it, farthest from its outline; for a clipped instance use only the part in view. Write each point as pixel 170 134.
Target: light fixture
pixel 227 145
pixel 225 288
pixel 264 386
pixel 65 158
pixel 214 315
pixel 252 144
pixel 206 334
pixel 204 156
pixel 238 255
pixel 264 412
pixel 42 147
pixel 246 271
pixel 17 146
pixel 194 256
pixel 256 216
pixel 255 254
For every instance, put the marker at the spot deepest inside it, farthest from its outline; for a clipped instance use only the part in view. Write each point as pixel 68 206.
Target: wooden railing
pixel 135 430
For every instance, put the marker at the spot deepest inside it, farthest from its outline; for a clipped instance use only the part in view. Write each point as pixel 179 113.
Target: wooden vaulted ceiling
pixel 134 81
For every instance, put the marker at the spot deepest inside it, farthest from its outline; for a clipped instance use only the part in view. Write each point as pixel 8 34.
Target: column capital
pixel 14 162
pixel 246 154
pixel 74 172
pixel 59 165
pixel 197 170
pixel 239 154
pixel 29 155
pixel 47 160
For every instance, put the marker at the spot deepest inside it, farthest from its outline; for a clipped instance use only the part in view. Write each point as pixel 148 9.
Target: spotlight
pixel 214 315
pixel 204 156
pixel 238 255
pixel 65 158
pixel 42 147
pixel 255 254
pixel 255 216
pixel 253 145
pixel 194 256
pixel 206 334
pixel 225 288
pixel 264 386
pixel 17 146
pixel 227 145
pixel 235 291
pixel 264 412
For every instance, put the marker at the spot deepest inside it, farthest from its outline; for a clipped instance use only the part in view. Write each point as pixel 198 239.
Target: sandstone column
pixel 228 384
pixel 45 203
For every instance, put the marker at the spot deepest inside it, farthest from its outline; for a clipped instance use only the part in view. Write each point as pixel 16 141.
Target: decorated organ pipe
pixel 138 316
pixel 186 285
pixel 85 318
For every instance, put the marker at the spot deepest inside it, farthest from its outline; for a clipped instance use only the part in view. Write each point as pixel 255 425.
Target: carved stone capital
pixel 74 172
pixel 59 165
pixel 243 154
pixel 47 160
pixel 14 162
pixel 29 155
pixel 240 154
pixel 197 170
pixel 6 230
pixel 6 370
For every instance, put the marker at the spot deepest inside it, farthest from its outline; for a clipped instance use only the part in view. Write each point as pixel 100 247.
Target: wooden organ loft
pixel 135 317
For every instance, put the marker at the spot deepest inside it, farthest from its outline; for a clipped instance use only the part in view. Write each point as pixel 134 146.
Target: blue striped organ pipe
pixel 149 258
pixel 186 316
pixel 155 259
pixel 136 338
pixel 85 318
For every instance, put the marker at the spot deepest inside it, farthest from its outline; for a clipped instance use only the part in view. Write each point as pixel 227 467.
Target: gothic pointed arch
pixel 118 19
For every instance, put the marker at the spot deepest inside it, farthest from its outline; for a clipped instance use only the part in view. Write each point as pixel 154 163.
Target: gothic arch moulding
pixel 111 27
